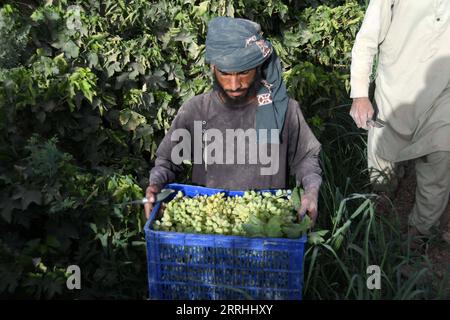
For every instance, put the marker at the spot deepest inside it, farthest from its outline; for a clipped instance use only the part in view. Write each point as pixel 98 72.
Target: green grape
pixel 227 215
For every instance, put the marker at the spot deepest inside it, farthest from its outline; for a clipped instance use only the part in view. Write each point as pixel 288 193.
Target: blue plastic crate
pixel 217 267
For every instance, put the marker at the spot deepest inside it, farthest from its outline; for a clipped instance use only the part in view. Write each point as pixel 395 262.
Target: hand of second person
pixel 361 111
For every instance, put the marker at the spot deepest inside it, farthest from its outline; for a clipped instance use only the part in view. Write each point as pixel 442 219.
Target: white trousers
pixel 433 184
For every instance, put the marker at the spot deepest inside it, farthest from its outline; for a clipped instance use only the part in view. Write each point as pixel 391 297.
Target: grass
pixel 355 236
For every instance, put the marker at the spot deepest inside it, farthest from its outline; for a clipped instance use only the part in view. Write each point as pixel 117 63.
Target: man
pixel 412 98
pixel 249 106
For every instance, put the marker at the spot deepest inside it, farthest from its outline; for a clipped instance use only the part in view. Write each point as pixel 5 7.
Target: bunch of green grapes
pixel 253 214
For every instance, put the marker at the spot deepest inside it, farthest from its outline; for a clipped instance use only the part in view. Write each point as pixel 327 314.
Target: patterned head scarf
pixel 236 45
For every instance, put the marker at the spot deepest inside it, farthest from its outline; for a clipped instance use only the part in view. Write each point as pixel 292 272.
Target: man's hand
pixel 150 194
pixel 309 205
pixel 361 111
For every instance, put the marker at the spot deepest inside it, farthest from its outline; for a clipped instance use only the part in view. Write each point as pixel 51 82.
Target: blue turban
pixel 236 45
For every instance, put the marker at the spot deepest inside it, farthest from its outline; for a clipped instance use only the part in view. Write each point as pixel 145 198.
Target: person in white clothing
pixel 411 100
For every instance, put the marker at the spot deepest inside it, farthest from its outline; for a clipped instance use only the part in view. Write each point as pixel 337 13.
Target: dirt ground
pixel 436 250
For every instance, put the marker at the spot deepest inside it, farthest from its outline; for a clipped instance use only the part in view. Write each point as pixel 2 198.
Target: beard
pixel 241 100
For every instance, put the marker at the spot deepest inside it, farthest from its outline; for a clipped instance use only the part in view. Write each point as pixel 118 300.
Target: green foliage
pixel 14 33
pixel 57 214
pixel 328 33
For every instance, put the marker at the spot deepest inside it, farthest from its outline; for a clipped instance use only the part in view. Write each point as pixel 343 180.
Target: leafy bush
pixel 57 214
pixel 14 32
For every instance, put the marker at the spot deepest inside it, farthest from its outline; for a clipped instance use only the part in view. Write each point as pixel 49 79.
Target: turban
pixel 236 45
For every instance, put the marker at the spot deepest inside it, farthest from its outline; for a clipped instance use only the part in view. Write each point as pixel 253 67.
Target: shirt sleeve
pixel 165 170
pixel 303 150
pixel 373 30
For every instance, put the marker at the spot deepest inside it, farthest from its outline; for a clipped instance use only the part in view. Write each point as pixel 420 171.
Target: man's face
pixel 237 87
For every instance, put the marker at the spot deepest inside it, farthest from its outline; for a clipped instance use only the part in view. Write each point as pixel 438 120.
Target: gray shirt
pixel 298 149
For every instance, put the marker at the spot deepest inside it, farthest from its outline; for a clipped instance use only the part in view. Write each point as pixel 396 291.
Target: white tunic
pixel 413 75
